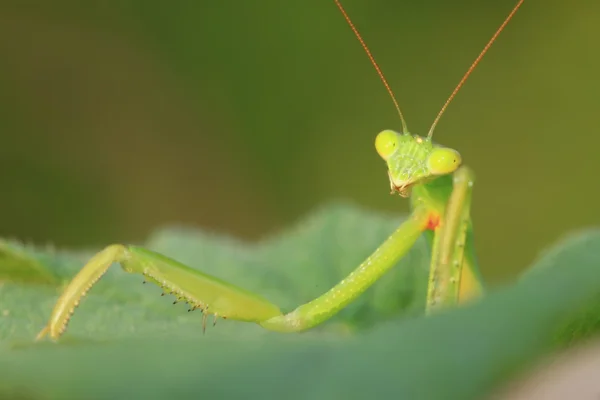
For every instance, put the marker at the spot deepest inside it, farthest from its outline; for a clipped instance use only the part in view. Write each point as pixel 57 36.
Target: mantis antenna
pixel 458 87
pixel 366 48
pixel 472 67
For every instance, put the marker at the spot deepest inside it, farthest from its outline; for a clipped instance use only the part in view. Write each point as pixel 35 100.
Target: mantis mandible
pixel 439 187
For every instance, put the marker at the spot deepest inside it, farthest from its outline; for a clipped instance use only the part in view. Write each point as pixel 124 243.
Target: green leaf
pixel 126 341
pixel 25 265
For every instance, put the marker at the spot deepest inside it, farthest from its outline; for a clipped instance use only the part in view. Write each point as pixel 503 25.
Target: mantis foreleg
pixel 453 274
pixel 217 297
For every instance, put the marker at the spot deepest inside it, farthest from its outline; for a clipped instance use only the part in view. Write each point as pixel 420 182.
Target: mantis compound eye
pixel 386 143
pixel 443 161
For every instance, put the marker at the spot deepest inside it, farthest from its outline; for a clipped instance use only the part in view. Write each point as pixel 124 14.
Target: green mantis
pixel 439 187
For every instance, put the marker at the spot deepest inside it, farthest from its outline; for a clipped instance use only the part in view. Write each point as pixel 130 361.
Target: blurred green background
pixel 118 117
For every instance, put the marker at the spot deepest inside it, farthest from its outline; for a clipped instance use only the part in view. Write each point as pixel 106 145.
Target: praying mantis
pixel 432 176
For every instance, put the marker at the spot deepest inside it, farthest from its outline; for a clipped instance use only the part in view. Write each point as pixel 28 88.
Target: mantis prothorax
pixel 439 187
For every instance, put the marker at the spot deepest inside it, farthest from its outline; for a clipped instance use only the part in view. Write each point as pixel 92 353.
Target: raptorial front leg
pixel 454 276
pixel 217 297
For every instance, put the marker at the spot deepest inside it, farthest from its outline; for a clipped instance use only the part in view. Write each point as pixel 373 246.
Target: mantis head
pixel 413 160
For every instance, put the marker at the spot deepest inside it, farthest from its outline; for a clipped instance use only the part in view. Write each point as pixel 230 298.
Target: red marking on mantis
pixel 433 222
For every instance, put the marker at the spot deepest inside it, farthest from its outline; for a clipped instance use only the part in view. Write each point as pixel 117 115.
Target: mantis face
pixel 413 159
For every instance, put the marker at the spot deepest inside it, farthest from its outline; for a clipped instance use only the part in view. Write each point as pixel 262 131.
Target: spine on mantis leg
pixel 385 257
pixel 471 282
